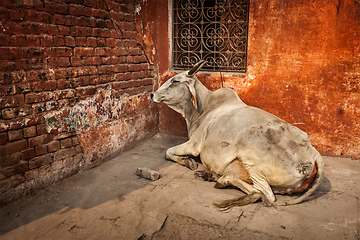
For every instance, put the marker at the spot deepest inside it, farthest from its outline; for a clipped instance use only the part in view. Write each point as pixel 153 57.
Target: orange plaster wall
pixel 303 66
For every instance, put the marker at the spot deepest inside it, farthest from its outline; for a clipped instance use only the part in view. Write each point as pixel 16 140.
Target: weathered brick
pixel 18 40
pixel 39 140
pixel 50 85
pixel 63 51
pixel 79 149
pixel 78 157
pixel 41 129
pixel 38 97
pixel 10 160
pixel 147 81
pixel 119 51
pixel 84 80
pixel 29 132
pixel 62 103
pixel 69 41
pixel 85 91
pixel 64 153
pixel 75 141
pixel 9 113
pixel 15 135
pixel 46 40
pixel 32 40
pixel 17 14
pixel 13 170
pixel 81 31
pixel 53 146
pixel 31 174
pixel 12 101
pixel 65 143
pixel 63 61
pixel 41 160
pixel 79 10
pixel 91 42
pixel 62 73
pixel 64 84
pixel 120 85
pixel 13 147
pixel 64 135
pixel 58 19
pixel 66 93
pixel 81 41
pixel 149 88
pixel 3 138
pixel 100 13
pixel 40 150
pixel 61 8
pixel 87 70
pixel 83 51
pixel 28 153
pixel 94 79
pixel 10 27
pixel 33 120
pixel 92 61
pixel 11 182
pixel 76 61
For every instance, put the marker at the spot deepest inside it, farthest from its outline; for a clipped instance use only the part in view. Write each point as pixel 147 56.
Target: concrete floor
pixel 111 202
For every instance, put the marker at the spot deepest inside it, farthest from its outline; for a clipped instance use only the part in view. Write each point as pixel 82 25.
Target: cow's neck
pixel 192 114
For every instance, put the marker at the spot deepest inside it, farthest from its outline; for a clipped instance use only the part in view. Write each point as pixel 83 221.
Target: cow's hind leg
pixel 182 155
pixel 260 190
pixel 231 180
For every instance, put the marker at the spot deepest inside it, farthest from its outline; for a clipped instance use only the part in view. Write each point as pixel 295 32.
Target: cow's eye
pixel 176 81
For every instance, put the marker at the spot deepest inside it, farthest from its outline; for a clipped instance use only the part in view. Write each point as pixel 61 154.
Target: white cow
pixel 240 145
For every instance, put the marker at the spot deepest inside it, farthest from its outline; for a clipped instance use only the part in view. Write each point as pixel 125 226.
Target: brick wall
pixel 56 56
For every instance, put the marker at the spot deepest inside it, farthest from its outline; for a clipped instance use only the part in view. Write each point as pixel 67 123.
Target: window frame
pixel 210 71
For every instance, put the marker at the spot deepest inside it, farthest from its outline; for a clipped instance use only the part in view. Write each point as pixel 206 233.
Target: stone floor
pixel 111 202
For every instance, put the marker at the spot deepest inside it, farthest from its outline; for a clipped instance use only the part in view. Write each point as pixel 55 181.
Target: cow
pixel 240 145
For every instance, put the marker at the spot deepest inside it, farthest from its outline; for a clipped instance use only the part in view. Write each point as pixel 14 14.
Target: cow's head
pixel 176 91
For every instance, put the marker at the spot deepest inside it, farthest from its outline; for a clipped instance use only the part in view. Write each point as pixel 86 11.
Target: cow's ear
pixel 191 86
pixel 196 68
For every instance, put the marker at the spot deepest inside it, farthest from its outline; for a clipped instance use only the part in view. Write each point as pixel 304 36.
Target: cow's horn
pixel 196 67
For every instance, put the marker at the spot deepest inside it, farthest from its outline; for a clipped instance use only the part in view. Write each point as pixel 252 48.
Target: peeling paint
pixel 104 106
pixel 106 123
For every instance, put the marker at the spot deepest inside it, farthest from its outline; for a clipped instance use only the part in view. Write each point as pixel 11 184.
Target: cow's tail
pixel 319 163
pixel 227 205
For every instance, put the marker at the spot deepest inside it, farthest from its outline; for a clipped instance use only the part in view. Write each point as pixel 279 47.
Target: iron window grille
pixel 215 31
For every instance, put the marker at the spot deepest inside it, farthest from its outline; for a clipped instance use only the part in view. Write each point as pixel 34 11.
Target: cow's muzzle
pixel 155 97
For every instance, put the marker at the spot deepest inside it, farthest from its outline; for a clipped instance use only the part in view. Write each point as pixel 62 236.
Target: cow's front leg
pixel 182 155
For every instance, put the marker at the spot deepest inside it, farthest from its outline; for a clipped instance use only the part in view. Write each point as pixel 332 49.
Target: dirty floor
pixel 111 202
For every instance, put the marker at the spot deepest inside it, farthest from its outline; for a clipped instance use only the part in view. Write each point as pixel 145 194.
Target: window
pixel 215 31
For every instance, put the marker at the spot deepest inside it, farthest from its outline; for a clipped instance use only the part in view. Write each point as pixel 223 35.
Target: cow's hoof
pixel 200 174
pixel 190 163
pixel 219 185
pixel 206 175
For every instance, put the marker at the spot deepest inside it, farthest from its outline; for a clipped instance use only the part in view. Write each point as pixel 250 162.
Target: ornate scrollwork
pixel 212 30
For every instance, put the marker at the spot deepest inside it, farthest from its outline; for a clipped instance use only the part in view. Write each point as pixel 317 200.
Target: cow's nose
pixel 152 96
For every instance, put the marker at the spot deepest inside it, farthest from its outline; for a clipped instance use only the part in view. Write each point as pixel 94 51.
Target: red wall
pixel 71 95
pixel 303 66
